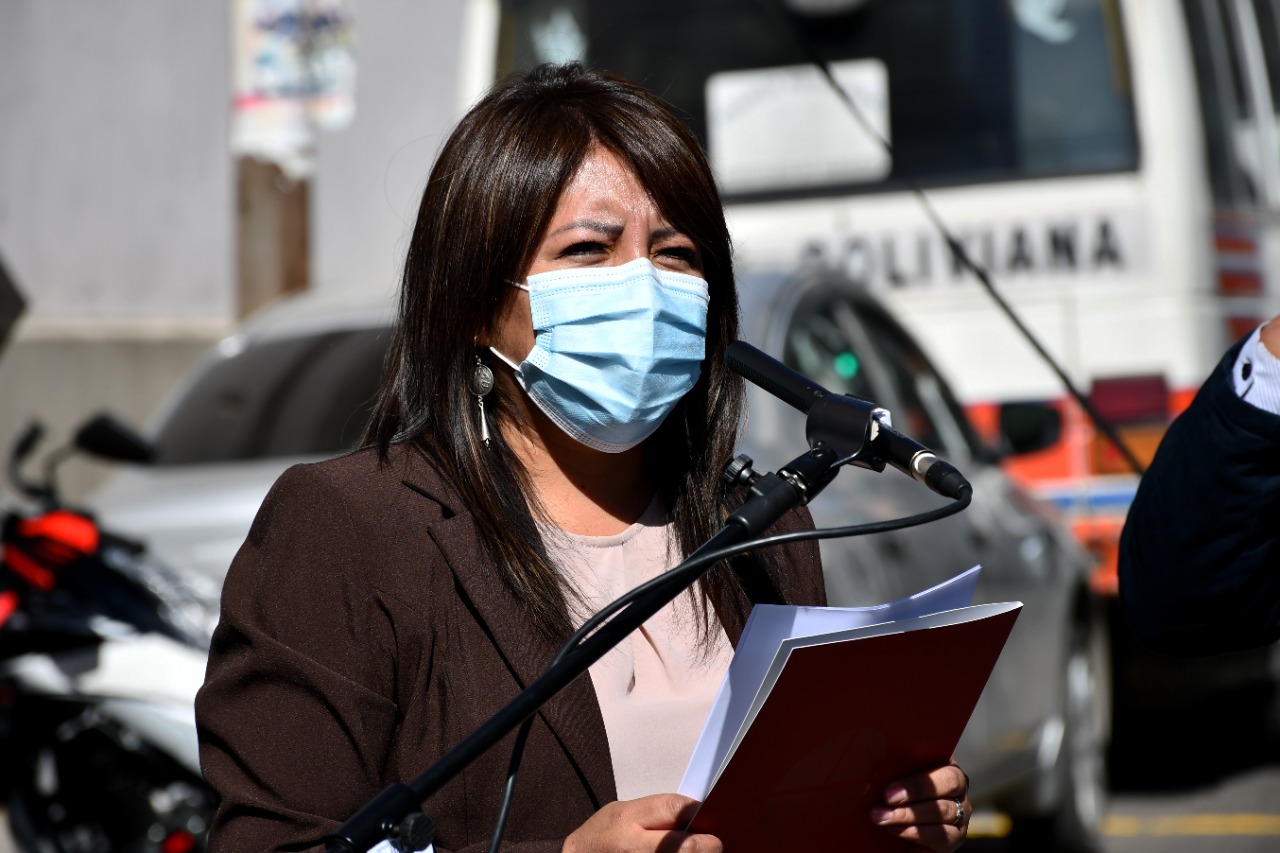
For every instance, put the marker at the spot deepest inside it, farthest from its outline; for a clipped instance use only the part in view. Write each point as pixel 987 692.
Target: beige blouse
pixel 655 688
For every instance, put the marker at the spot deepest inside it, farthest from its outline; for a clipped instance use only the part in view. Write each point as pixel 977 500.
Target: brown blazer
pixel 364 632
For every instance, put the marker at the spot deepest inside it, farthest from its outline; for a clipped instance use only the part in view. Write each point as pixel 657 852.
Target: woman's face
pixel 605 218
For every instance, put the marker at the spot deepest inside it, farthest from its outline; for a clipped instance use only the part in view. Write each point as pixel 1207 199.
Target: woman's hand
pixel 646 825
pixel 930 809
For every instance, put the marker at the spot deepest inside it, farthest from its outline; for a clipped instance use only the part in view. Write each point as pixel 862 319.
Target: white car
pixel 296 383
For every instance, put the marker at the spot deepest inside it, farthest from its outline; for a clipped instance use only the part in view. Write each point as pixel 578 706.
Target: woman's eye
pixel 583 248
pixel 684 254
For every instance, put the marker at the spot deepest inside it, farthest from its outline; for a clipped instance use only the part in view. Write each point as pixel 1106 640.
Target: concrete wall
pixel 117 204
pixel 370 176
pixel 115 186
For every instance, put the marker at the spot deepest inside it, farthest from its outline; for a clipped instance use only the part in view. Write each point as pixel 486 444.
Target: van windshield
pixel 309 395
pixel 985 90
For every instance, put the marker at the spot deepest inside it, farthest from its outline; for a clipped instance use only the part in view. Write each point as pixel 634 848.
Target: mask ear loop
pixel 481 383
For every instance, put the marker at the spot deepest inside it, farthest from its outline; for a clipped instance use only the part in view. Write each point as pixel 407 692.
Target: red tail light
pixel 179 841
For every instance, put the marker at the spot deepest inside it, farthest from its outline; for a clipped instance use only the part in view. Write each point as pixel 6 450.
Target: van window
pixel 983 90
pixel 303 396
pixel 1223 101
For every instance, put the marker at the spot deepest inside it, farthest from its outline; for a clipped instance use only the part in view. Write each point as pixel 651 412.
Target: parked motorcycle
pixel 101 652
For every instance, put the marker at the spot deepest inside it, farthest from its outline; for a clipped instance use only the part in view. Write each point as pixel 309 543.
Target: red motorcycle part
pixel 39 546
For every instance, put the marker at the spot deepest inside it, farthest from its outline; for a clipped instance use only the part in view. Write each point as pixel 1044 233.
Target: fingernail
pixel 895 794
pixel 879 814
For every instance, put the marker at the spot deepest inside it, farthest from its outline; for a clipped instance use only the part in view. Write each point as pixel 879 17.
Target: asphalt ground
pixel 1192 767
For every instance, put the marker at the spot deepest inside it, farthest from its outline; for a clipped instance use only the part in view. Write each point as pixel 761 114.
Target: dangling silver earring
pixel 481 384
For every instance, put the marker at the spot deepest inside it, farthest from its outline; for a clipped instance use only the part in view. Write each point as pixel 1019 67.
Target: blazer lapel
pixel 573 715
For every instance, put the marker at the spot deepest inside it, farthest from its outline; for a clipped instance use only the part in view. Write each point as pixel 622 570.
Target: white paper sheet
pixel 385 847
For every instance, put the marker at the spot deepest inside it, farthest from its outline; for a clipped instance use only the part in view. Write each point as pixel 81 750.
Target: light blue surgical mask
pixel 615 349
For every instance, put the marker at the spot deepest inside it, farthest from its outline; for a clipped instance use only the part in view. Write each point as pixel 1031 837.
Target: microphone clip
pixel 847 425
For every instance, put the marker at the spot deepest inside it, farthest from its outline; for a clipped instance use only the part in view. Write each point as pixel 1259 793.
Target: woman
pixel 550 433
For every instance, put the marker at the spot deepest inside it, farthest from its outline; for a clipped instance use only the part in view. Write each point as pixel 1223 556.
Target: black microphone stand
pixel 395 813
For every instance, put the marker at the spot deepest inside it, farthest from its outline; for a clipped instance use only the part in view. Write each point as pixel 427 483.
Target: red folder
pixel 848 714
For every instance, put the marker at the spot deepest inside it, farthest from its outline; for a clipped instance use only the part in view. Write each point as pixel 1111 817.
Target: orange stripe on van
pixel 1234 243
pixel 1239 283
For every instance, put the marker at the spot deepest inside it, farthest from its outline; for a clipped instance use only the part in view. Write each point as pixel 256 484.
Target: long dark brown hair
pixel 490 195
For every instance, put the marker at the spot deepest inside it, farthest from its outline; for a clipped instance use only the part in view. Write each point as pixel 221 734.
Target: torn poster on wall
pixel 294 75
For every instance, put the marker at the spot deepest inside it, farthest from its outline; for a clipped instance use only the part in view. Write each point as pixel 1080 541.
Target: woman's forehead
pixel 603 191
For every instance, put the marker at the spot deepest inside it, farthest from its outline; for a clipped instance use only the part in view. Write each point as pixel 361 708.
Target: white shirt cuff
pixel 386 847
pixel 1256 375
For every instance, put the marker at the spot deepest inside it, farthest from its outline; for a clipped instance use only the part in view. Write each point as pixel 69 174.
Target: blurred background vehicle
pixel 101 651
pixel 296 382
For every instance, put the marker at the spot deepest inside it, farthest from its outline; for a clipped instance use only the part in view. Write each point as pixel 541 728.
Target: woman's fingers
pixel 925 812
pixel 947 782
pixel 662 819
pixel 660 811
pixel 929 823
pixel 930 809
pixel 646 825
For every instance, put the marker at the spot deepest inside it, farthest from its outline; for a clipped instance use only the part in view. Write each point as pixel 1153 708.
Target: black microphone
pixel 759 368
pixel 918 462
pixel 841 417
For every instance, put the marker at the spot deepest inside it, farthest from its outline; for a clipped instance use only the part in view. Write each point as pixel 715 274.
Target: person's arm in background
pixel 1200 550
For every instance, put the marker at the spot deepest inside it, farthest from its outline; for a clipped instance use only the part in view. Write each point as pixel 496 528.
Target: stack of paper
pixel 823 707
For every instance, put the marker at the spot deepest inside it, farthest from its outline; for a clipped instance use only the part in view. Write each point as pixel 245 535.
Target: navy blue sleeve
pixel 1200 550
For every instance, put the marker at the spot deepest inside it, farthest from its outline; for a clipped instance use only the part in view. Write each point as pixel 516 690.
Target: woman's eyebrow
pixel 667 233
pixel 610 229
